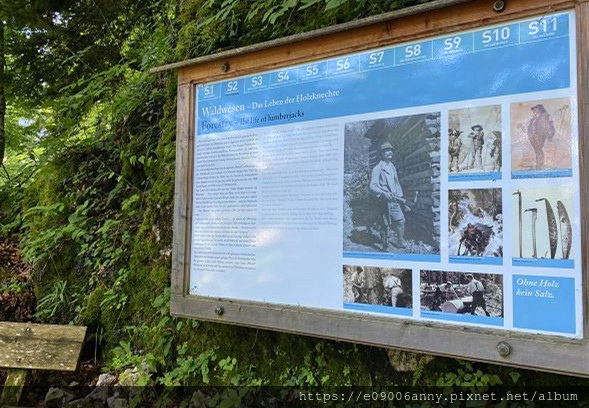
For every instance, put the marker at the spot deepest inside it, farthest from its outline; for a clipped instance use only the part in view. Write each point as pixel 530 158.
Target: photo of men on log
pixel 541 135
pixel 475 222
pixel 378 286
pixel 462 293
pixel 392 185
pixel 543 228
pixel 474 140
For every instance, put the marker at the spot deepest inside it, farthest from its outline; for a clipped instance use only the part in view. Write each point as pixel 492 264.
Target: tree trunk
pixel 2 94
pixel 375 288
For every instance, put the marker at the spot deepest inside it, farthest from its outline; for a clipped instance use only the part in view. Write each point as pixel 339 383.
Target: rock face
pixel 106 380
pixel 98 394
pixel 407 361
pixel 119 403
pixel 79 404
pixel 57 398
pixel 129 377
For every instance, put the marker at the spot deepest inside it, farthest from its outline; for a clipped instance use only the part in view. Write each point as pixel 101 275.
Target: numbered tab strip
pixel 538 29
pixel 453 45
pixel 209 92
pixel 501 36
pixel 312 72
pixel 234 87
pixel 342 66
pixel 544 28
pixel 283 77
pixel 257 83
pixel 410 53
pixel 377 59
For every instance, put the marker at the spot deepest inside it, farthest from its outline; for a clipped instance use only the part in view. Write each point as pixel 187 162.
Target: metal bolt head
pixel 219 310
pixel 225 67
pixel 499 6
pixel 503 348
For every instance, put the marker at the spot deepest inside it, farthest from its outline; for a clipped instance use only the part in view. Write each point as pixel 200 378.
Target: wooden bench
pixel 25 347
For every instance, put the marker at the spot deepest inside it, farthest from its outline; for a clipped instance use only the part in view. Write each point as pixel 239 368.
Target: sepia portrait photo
pixel 541 135
pixel 474 140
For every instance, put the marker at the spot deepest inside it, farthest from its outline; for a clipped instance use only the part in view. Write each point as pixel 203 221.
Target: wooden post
pixel 13 387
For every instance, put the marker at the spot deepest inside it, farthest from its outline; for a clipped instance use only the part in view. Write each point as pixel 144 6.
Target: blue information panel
pixel 431 180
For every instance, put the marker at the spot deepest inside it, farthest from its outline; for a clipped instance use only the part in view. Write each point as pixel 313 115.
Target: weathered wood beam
pixel 40 347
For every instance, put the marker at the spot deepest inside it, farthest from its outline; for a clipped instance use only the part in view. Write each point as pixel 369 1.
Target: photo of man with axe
pixel 384 183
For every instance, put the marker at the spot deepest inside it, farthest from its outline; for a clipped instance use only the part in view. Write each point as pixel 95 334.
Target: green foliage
pixel 15 286
pixel 210 25
pixel 190 368
pixel 467 376
pixel 50 304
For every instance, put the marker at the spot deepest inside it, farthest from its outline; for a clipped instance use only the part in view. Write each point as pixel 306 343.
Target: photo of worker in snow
pixel 541 135
pixel 478 294
pixel 377 286
pixel 543 228
pixel 474 140
pixel 392 185
pixel 475 223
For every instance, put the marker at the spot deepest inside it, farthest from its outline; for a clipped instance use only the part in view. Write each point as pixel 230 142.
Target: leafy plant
pixel 14 286
pixel 468 376
pixel 189 366
pixel 52 303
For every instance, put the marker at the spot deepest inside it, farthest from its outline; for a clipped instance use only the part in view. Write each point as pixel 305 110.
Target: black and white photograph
pixel 392 185
pixel 543 229
pixel 475 221
pixel 474 140
pixel 378 286
pixel 471 293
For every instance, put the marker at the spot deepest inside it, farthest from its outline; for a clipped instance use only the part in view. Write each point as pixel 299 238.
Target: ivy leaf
pixel 514 376
pixel 308 3
pixel 204 370
pixel 331 4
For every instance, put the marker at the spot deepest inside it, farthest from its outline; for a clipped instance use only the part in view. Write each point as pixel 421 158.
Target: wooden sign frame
pixel 549 353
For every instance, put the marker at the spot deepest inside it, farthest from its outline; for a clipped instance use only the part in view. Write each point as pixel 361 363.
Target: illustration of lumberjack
pixel 384 183
pixel 540 129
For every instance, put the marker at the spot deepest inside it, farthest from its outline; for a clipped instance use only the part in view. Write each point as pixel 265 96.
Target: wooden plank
pixel 182 193
pixel 12 390
pixel 582 16
pixel 40 347
pixel 475 343
pixel 469 15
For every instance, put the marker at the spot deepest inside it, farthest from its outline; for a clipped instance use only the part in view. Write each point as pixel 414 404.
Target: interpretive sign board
pixel 425 194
